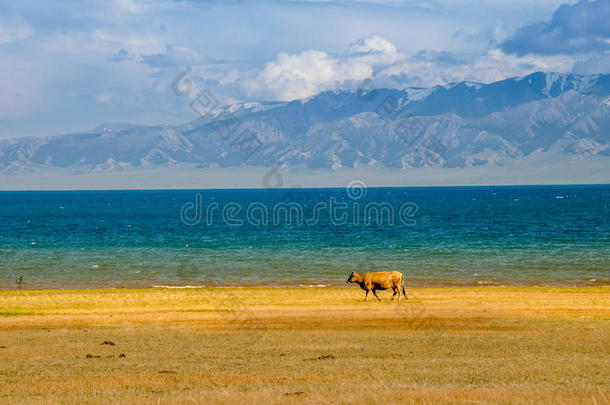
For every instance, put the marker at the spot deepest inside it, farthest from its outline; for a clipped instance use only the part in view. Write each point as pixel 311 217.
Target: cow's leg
pixel 395 291
pixel 366 295
pixel 375 294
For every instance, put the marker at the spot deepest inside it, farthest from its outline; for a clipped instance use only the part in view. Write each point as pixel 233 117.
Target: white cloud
pixel 374 50
pixel 290 77
pixel 373 43
pixel 295 76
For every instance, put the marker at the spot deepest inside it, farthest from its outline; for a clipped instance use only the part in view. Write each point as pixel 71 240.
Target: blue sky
pixel 69 66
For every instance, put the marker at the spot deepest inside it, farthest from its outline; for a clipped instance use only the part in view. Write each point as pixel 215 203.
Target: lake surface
pixel 557 235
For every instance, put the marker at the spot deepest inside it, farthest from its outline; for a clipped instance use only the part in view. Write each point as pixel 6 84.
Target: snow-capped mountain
pixel 459 125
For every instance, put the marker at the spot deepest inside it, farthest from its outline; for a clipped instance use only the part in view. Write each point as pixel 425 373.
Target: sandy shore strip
pixel 306 345
pixel 475 281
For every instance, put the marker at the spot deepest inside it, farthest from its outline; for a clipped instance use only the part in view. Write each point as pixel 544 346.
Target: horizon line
pixel 307 188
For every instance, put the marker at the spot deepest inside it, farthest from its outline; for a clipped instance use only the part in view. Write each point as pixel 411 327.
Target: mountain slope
pixel 460 125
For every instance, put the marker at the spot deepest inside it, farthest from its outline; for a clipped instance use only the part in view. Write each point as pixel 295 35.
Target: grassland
pixel 306 345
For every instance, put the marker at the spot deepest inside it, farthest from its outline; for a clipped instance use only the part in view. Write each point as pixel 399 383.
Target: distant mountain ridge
pixel 463 124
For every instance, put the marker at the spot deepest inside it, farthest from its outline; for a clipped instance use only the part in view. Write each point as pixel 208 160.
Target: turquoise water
pixel 434 235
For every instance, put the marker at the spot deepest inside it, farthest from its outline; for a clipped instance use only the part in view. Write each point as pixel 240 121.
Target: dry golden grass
pixel 267 345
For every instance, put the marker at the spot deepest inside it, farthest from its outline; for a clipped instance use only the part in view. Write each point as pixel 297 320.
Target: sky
pixel 68 66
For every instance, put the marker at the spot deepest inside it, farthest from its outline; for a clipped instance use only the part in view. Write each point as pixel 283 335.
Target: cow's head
pixel 352 278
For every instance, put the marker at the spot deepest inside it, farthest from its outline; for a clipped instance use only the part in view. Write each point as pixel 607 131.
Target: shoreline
pixel 6 285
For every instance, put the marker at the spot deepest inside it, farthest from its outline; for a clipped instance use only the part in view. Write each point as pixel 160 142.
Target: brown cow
pixel 381 280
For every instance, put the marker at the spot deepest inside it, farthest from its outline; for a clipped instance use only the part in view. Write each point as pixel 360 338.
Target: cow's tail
pixel 402 285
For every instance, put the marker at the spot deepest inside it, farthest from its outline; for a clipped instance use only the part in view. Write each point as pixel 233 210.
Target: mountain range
pixel 459 125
